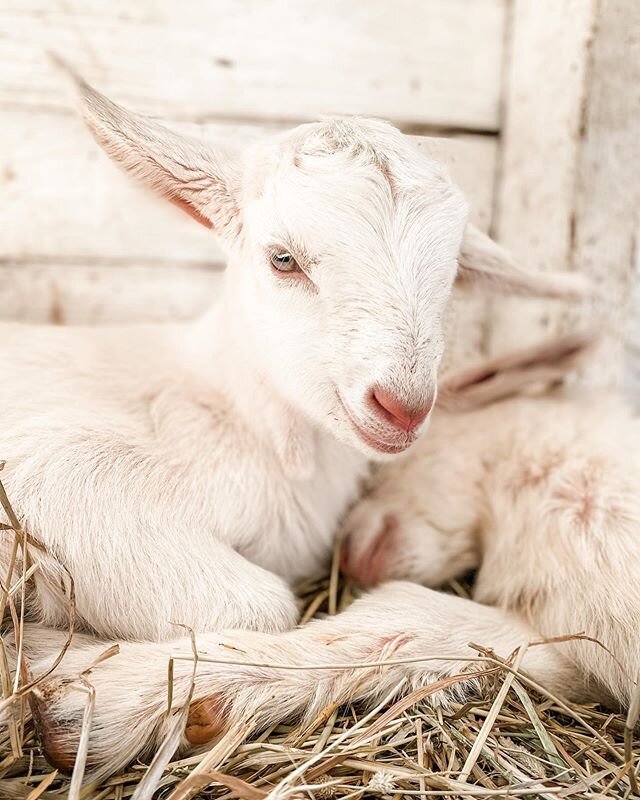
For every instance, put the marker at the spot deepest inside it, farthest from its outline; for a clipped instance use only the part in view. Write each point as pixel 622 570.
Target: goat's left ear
pixel 201 178
pixel 540 366
pixel 484 262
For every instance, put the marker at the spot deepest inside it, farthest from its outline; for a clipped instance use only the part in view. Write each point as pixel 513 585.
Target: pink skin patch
pixel 369 568
pixel 390 645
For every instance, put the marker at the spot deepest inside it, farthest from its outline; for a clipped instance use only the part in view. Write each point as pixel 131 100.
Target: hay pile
pixel 512 742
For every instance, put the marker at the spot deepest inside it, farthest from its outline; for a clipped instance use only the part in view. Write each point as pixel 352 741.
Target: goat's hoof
pixel 59 736
pixel 206 720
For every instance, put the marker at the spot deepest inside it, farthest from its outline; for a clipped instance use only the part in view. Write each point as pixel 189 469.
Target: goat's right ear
pixel 484 262
pixel 200 178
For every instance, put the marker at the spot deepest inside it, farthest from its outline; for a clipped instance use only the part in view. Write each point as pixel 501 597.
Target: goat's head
pixel 350 245
pixel 343 241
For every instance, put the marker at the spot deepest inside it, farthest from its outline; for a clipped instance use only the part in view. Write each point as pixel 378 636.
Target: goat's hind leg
pixel 253 680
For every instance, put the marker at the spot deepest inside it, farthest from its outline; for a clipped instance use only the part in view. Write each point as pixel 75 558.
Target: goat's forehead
pixel 353 184
pixel 342 153
pixel 372 225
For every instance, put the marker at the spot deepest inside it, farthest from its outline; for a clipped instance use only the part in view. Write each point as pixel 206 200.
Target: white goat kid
pixel 543 496
pixel 191 473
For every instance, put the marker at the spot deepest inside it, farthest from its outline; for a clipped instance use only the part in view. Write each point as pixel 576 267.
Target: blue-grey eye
pixel 284 262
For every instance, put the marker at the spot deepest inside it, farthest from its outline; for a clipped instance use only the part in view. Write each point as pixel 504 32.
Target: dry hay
pixel 513 741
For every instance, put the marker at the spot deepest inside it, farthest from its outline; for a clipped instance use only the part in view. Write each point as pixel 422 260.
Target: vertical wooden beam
pixel 570 163
pixel 632 350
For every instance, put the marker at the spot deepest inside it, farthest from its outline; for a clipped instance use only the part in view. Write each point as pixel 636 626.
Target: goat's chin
pixel 375 444
pixel 381 449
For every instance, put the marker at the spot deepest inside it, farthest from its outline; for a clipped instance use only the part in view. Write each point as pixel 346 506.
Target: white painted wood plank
pixel 472 161
pixel 106 294
pixel 434 62
pixel 546 85
pixel 632 350
pixel 571 164
pixel 468 318
pixel 63 198
pixel 608 190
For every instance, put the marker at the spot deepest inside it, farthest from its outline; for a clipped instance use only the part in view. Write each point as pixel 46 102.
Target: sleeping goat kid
pixel 191 473
pixel 543 496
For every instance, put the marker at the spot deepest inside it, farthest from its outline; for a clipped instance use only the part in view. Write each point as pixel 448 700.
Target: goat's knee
pixel 262 603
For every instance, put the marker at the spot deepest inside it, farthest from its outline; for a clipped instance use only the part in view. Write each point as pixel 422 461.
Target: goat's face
pixel 343 242
pixel 345 263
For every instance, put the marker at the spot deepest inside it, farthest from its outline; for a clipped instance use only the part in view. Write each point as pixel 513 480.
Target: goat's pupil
pixel 284 262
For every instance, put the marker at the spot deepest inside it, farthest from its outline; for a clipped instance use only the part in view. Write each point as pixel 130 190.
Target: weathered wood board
pixel 570 169
pixel 81 294
pixel 429 62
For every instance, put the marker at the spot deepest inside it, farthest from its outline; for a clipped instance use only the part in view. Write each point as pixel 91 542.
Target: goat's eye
pixel 284 262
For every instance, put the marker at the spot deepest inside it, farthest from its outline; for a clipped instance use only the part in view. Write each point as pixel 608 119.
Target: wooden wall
pixel 569 186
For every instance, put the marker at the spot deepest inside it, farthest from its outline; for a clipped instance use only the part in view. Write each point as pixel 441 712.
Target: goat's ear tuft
pixel 484 262
pixel 522 370
pixel 201 178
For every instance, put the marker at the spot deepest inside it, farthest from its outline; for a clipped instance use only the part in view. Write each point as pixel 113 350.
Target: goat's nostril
pixel 398 412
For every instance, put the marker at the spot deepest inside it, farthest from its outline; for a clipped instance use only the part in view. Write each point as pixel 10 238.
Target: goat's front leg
pixel 257 679
pixel 197 581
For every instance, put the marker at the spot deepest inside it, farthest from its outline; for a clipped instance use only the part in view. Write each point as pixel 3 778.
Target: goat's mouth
pixel 398 442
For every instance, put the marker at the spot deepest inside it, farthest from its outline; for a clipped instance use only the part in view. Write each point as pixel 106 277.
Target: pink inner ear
pixel 191 211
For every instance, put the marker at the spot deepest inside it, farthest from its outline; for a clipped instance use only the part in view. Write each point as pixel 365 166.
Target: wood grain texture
pixel 545 95
pixel 434 62
pixel 473 165
pixel 608 188
pixel 569 193
pixel 632 333
pixel 63 198
pixel 109 293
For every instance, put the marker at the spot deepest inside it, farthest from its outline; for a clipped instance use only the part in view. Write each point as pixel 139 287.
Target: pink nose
pixel 398 413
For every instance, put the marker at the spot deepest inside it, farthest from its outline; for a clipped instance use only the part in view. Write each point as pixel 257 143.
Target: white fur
pixel 191 473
